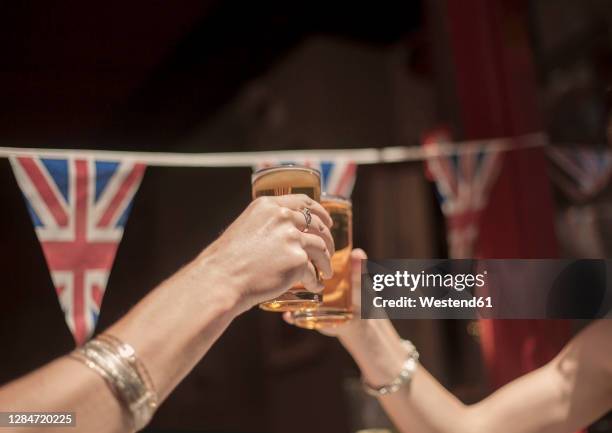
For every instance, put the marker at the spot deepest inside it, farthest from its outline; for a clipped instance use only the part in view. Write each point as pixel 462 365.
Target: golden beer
pixel 282 180
pixel 336 308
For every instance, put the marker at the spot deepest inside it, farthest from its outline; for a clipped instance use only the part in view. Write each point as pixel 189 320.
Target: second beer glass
pixel 336 308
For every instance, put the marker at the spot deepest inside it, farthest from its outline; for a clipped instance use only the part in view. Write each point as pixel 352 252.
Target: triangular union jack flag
pixel 79 207
pixel 337 176
pixel 580 172
pixel 464 178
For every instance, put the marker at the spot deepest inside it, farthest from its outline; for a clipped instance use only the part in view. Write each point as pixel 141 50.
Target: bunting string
pixel 250 159
pixel 79 200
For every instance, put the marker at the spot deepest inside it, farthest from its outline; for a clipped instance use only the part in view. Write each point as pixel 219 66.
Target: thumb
pixel 357 255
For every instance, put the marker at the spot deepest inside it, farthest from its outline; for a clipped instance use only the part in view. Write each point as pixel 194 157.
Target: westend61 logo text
pixel 486 288
pixel 413 281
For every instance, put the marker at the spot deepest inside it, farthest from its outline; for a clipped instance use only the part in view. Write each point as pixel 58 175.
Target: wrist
pixel 353 332
pixel 377 349
pixel 208 281
pixel 357 335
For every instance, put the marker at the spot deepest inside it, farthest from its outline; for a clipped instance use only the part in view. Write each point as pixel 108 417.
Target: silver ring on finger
pixel 307 217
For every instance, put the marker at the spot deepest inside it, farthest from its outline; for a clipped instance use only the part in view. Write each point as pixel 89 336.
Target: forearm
pixel 565 395
pixel 171 330
pixel 174 326
pixel 424 405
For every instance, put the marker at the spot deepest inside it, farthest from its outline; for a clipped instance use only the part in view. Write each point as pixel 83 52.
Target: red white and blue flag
pixel 581 173
pixel 337 176
pixel 79 207
pixel 463 179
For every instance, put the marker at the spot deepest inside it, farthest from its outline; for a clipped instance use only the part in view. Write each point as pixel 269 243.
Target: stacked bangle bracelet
pixel 405 376
pixel 125 375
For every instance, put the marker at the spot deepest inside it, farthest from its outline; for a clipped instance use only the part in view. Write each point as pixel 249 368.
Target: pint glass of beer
pixel 337 294
pixel 282 180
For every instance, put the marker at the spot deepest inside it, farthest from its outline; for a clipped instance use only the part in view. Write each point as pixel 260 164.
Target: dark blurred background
pixel 199 76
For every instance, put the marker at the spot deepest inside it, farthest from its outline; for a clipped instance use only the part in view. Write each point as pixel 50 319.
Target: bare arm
pixel 168 344
pixel 567 394
pixel 257 258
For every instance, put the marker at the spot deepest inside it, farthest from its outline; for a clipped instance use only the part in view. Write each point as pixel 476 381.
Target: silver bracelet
pixel 405 376
pixel 127 378
pixel 128 353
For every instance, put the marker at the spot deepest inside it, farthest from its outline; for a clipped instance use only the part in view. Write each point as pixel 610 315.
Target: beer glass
pixel 337 294
pixel 282 180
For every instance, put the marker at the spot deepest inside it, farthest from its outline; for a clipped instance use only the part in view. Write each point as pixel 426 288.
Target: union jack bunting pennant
pixel 79 208
pixel 337 176
pixel 580 172
pixel 463 182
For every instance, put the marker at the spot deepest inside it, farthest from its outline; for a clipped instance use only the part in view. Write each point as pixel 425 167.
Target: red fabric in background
pixel 496 91
pixel 519 223
pixel 512 348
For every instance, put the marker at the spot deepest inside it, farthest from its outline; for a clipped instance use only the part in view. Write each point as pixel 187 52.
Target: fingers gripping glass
pixel 282 180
